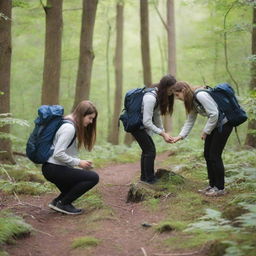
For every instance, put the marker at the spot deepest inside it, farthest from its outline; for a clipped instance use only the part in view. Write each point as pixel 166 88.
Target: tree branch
pixel 160 16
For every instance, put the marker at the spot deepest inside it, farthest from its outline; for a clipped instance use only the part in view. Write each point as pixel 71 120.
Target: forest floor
pixel 118 226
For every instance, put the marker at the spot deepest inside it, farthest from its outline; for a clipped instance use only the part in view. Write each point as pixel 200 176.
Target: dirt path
pixel 121 235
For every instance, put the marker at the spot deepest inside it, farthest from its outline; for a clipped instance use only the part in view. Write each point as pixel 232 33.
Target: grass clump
pixel 23 187
pixel 85 242
pixel 12 226
pixel 92 200
pixel 166 226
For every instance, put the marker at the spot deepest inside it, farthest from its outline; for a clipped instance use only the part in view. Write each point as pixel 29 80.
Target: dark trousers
pixel 148 154
pixel 71 182
pixel 213 148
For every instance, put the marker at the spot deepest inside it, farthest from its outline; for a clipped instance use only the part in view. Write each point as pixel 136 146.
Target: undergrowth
pixel 227 223
pixel 11 227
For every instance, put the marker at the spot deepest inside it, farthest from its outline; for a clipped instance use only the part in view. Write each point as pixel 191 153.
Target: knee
pixel 95 178
pixel 150 154
pixel 213 158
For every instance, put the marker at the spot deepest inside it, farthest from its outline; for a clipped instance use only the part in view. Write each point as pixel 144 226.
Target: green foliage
pixel 20 3
pixel 212 222
pixel 242 243
pixel 152 203
pixel 248 220
pixel 164 227
pixel 85 242
pixel 6 119
pixel 12 226
pixel 23 187
pixel 92 200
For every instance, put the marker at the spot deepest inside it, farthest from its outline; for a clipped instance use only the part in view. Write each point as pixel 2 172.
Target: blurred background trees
pixel 61 52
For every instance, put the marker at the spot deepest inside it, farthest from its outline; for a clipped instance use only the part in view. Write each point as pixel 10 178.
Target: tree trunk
pixel 114 135
pixel 5 74
pixel 52 55
pixel 128 139
pixel 171 52
pixel 251 138
pixel 171 37
pixel 86 57
pixel 145 46
pixel 109 116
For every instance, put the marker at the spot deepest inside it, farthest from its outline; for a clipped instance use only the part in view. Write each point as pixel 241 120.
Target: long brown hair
pixel 165 101
pixel 85 135
pixel 188 93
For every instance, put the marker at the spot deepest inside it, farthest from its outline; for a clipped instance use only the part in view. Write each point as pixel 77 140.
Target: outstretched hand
pixel 176 139
pixel 167 137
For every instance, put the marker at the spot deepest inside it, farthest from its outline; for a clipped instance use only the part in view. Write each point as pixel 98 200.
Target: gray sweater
pixel 64 155
pixel 151 116
pixel 211 111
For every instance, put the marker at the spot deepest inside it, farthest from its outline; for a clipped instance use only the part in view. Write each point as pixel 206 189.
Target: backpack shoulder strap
pixel 207 89
pixel 154 93
pixel 69 121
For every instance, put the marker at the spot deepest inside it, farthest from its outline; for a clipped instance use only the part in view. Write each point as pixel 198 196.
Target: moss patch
pixel 85 242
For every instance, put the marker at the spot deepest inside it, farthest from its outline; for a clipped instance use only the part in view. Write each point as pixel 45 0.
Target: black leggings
pixel 71 182
pixel 213 148
pixel 148 154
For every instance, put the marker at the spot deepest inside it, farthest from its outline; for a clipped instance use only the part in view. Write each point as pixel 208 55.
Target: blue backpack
pixel 224 96
pixel 132 115
pixel 39 145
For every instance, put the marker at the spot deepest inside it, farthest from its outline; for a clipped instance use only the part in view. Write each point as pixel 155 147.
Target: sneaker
pixel 53 203
pixel 204 190
pixel 215 192
pixel 67 208
pixel 149 182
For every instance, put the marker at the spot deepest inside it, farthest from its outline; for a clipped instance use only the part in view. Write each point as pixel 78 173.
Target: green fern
pixel 12 226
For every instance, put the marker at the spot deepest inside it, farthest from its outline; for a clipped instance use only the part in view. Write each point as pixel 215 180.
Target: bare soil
pixel 121 234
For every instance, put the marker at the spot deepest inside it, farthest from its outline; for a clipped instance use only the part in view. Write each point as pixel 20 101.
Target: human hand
pixel 166 137
pixel 176 139
pixel 203 136
pixel 85 164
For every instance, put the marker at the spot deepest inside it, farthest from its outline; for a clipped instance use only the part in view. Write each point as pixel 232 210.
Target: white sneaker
pixel 204 190
pixel 215 192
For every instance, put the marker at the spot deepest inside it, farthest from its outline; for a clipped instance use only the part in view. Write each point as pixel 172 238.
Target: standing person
pixel 155 103
pixel 60 167
pixel 215 140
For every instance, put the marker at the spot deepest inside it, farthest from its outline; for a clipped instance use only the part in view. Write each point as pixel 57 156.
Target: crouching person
pixel 61 168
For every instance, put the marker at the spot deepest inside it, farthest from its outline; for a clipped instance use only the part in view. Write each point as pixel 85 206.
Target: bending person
pixel 60 167
pixel 155 103
pixel 201 102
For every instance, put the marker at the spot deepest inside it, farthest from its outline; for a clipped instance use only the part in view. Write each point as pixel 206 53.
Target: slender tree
pixel 251 138
pixel 145 46
pixel 52 54
pixel 5 74
pixel 114 135
pixel 171 37
pixel 171 49
pixel 86 57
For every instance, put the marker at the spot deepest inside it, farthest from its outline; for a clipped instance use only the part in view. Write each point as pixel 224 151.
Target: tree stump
pixel 141 191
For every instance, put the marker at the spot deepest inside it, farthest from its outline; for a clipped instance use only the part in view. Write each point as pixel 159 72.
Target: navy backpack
pixel 132 115
pixel 224 96
pixel 39 144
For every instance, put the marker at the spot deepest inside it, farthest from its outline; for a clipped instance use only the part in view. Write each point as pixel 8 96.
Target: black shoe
pixel 150 182
pixel 67 208
pixel 53 203
pixel 153 181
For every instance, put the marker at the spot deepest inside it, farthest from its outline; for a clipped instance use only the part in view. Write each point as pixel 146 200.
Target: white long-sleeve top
pixel 62 154
pixel 211 111
pixel 151 115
